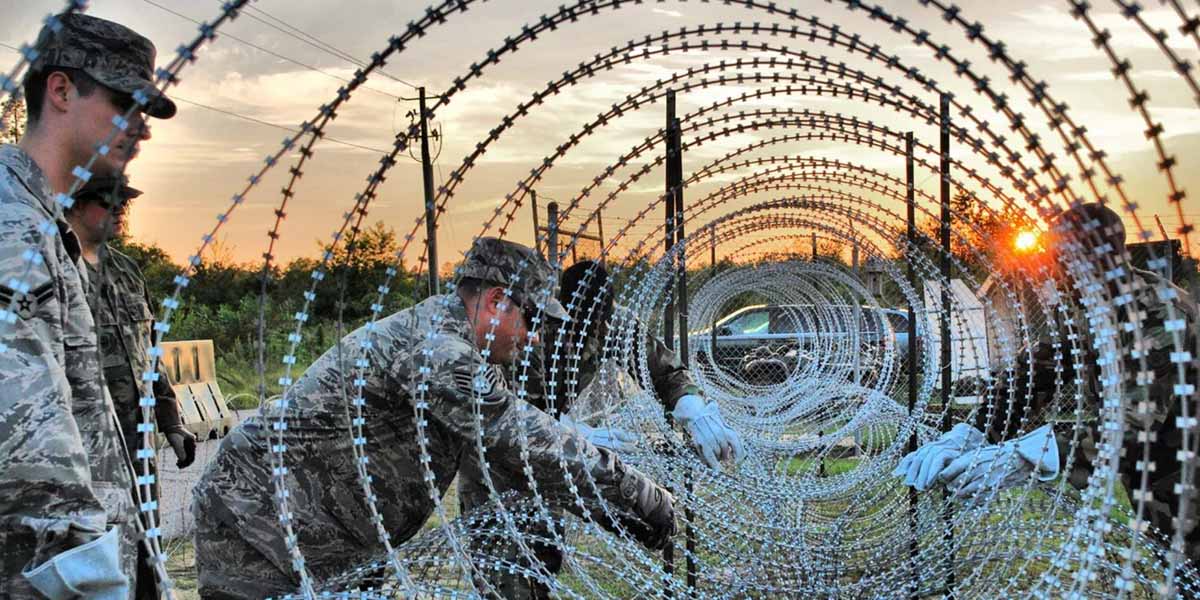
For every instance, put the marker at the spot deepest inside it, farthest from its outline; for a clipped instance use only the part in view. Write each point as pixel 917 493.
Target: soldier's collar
pixel 31 176
pixel 456 318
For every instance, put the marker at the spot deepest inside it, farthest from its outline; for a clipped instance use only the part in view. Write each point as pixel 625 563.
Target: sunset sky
pixel 195 162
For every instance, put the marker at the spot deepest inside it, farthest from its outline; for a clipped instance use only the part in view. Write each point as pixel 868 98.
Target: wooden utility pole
pixel 430 220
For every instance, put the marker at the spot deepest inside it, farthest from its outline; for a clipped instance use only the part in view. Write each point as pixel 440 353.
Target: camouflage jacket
pixel 63 478
pixel 330 511
pixel 121 307
pixel 552 385
pixel 1148 397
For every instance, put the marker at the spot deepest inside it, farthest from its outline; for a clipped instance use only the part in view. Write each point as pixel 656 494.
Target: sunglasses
pixel 528 309
pixel 106 200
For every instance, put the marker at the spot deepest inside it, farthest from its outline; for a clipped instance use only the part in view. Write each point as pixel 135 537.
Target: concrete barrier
pixel 191 367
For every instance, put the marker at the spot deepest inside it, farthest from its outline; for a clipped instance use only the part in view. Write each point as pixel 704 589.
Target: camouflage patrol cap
pixel 111 53
pixel 104 186
pixel 516 266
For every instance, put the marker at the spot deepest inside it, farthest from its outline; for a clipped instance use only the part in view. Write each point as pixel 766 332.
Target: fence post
pixel 910 199
pixel 552 234
pixel 676 160
pixel 945 359
pixel 537 226
pixel 669 309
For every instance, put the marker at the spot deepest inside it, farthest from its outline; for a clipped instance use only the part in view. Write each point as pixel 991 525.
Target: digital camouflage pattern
pixel 234 505
pixel 111 53
pixel 553 385
pixel 1148 401
pixel 573 376
pixel 121 306
pixel 64 480
pixel 124 323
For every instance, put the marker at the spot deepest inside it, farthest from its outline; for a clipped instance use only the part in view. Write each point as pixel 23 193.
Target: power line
pixel 270 52
pixel 270 124
pixel 311 40
pixel 315 41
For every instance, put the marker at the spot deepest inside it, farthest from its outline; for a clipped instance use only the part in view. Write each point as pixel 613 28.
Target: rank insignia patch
pixel 25 305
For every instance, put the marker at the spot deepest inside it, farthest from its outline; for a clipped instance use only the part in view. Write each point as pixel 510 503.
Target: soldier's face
pixel 511 331
pixel 97 222
pixel 94 122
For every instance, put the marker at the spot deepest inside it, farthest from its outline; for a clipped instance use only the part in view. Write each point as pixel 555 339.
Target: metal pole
pixel 854 256
pixel 669 226
pixel 430 221
pixel 910 199
pixel 712 353
pixel 944 364
pixel 814 245
pixel 669 310
pixel 681 297
pixel 552 235
pixel 537 227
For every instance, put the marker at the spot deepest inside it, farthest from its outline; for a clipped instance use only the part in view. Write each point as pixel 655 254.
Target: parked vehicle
pixel 796 332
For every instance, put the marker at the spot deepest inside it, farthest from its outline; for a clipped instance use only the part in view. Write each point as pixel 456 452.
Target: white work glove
pixel 921 467
pixel 91 571
pixel 713 440
pixel 1004 465
pixel 612 438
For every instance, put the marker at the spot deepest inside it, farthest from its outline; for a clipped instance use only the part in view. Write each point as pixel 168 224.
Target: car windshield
pixel 754 321
pixel 807 320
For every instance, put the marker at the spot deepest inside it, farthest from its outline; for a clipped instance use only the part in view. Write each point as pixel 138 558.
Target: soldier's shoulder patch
pixel 26 304
pixel 486 383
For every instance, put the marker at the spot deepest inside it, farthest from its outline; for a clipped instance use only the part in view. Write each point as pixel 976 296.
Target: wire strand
pixel 270 124
pixel 271 52
pixel 315 41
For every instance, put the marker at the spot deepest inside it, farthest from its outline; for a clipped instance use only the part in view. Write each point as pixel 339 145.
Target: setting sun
pixel 1026 241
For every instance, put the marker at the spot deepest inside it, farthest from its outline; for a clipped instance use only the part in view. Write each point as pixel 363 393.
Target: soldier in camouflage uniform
pixel 555 385
pixel 439 352
pixel 121 307
pixel 1151 399
pixel 67 520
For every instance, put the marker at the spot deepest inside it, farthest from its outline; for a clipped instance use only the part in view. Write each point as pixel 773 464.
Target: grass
pixel 181 567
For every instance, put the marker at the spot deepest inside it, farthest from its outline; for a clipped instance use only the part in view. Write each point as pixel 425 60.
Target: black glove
pixel 183 443
pixel 653 520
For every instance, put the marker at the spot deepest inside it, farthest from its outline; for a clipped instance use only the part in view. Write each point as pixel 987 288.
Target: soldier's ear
pixel 493 297
pixel 58 88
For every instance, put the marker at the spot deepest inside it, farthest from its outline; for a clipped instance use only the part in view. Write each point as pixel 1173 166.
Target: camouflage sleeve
pixel 1152 389
pixel 47 501
pixel 670 378
pixel 166 407
pixel 535 380
pixel 459 378
pixel 1029 395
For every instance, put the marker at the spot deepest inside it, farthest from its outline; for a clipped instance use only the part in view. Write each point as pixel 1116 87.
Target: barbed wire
pixel 768 530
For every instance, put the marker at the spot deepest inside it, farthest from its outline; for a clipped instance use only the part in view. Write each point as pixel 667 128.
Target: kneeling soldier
pixel 240 545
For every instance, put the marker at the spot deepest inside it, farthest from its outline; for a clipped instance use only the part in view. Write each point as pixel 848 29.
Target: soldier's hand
pixel 183 444
pixel 654 508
